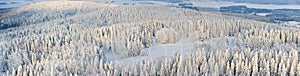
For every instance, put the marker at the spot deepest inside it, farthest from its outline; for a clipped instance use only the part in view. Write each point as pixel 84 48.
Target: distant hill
pixel 282 2
pixel 172 1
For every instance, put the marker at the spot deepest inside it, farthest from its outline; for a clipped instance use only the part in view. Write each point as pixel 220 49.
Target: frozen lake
pixel 16 3
pixel 263 14
pixel 263 6
pixel 292 23
pixel 11 4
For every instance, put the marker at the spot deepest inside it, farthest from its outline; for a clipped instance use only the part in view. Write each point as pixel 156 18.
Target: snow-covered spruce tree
pixel 185 64
pixel 14 60
pixel 167 36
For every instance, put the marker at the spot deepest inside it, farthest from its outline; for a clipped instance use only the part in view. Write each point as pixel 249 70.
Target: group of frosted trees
pixel 209 63
pixel 167 36
pixel 78 41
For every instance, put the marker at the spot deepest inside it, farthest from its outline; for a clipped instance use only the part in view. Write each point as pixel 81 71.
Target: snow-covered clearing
pixel 183 47
pixel 292 23
pixel 263 14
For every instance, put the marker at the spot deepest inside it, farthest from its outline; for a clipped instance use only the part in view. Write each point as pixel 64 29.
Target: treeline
pixel 35 13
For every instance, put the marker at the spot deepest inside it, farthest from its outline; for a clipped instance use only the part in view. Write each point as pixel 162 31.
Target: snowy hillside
pixel 89 38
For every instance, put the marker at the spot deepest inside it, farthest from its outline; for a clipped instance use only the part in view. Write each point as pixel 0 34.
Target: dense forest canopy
pixel 80 37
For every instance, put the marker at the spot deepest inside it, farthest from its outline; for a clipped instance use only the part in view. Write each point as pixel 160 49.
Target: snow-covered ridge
pixel 64 5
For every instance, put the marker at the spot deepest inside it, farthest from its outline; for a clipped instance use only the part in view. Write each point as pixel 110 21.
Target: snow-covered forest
pixel 59 38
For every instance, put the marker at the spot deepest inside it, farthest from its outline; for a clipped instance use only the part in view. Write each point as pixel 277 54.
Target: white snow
pixel 263 14
pixel 19 3
pixel 292 23
pixel 184 46
pixel 143 3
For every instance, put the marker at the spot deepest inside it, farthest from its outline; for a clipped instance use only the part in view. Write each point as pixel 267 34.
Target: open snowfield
pixel 292 23
pixel 263 14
